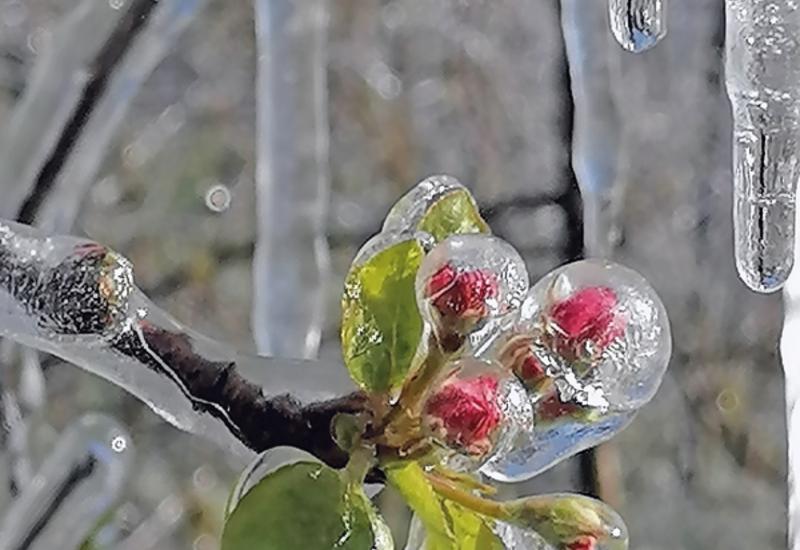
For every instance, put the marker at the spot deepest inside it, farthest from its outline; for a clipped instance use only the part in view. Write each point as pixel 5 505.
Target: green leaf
pixel 304 506
pixel 381 325
pixel 448 525
pixel 456 213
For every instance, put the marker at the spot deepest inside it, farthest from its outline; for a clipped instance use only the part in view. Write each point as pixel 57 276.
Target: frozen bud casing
pixel 477 410
pixel 467 284
pixel 599 331
pixel 591 343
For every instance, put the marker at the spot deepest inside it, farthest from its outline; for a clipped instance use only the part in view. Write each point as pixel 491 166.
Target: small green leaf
pixel 304 506
pixel 455 213
pixel 448 525
pixel 381 325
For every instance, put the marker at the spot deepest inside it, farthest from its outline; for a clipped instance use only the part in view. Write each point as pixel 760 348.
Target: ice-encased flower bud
pixel 478 409
pixel 594 330
pixel 591 344
pixel 469 282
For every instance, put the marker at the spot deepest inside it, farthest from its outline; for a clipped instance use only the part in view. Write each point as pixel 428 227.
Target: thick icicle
pixel 763 79
pixel 75 299
pixel 290 267
pixel 79 482
pixel 638 25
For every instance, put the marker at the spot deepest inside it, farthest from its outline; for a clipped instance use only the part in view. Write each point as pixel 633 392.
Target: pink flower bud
pixel 585 321
pixel 588 315
pixel 461 295
pixel 465 413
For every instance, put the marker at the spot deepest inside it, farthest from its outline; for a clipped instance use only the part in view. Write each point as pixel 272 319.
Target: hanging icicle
pixel 598 129
pixel 290 266
pixel 638 25
pixel 763 78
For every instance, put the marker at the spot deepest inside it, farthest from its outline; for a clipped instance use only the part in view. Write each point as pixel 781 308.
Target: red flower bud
pixel 461 295
pixel 466 412
pixel 588 314
pixel 586 542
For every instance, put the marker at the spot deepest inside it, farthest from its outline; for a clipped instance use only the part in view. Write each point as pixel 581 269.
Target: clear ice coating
pixel 468 283
pixel 516 538
pixel 70 297
pixel 409 210
pixel 479 409
pixel 591 343
pixel 291 260
pixel 78 483
pixel 571 522
pixel 638 25
pixel 763 80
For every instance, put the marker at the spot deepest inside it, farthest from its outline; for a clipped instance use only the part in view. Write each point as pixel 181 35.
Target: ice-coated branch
pixel 75 299
pixel 290 265
pixel 762 73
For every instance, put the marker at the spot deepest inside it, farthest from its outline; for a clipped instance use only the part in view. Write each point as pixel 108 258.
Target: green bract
pixel 455 213
pixel 304 506
pixel 448 525
pixel 381 325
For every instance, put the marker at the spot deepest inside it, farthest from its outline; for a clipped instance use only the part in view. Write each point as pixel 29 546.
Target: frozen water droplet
pixel 638 25
pixel 218 198
pixel 589 359
pixel 408 211
pixel 478 410
pixel 468 283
